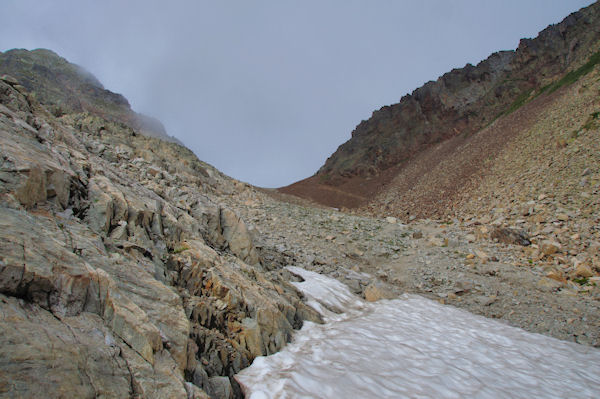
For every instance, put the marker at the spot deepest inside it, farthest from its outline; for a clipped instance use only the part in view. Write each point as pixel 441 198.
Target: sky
pixel 266 90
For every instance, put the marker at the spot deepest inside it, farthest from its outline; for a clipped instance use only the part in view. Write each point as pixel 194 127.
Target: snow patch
pixel 413 347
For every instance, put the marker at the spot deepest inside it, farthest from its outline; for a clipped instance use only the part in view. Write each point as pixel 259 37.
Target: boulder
pixel 510 236
pixel 33 189
pixel 550 247
pixel 59 187
pixel 376 291
pixel 219 388
pixel 583 270
pixel 236 234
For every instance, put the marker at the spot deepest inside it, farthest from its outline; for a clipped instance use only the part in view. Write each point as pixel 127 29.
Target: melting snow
pixel 413 347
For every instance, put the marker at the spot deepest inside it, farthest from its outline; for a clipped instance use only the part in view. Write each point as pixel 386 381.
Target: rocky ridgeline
pixel 464 100
pixel 121 273
pixel 65 88
pixel 458 104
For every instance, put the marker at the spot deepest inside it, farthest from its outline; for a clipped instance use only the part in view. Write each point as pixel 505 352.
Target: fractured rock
pixel 236 234
pixel 33 190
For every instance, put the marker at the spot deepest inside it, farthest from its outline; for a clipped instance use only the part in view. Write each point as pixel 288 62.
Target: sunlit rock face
pixel 414 347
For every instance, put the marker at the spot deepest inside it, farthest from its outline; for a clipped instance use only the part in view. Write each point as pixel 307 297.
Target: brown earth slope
pixel 538 170
pixel 439 180
pixel 407 139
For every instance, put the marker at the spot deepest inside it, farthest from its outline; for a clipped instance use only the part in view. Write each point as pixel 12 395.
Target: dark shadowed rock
pixel 510 236
pixel 220 388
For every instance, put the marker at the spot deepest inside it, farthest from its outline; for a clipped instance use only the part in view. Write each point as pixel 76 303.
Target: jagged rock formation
pixel 121 274
pixel 458 104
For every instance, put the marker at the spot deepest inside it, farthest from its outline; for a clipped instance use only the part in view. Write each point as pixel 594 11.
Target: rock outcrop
pixel 121 274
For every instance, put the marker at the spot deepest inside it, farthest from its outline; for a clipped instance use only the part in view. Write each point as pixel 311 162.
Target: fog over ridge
pixel 266 91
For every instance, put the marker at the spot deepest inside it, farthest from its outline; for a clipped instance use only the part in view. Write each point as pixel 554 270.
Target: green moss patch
pixel 522 99
pixel 573 76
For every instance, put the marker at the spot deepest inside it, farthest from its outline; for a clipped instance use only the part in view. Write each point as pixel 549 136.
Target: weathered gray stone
pixel 50 357
pixel 59 186
pixel 200 378
pixel 237 236
pixel 219 388
pixel 33 190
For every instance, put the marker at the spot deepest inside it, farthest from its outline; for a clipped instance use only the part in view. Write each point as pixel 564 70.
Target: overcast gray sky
pixel 267 90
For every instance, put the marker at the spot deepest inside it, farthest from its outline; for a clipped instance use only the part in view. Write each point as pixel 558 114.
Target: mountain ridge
pixel 130 268
pixel 460 102
pixel 66 88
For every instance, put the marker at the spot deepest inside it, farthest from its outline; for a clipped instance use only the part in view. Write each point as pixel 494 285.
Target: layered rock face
pixel 459 103
pixel 121 275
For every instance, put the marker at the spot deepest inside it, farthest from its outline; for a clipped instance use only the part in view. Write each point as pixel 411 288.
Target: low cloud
pixel 266 91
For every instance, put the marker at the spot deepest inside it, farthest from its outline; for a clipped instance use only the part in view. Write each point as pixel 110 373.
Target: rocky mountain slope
pixel 129 268
pixel 122 274
pixel 67 88
pixel 457 106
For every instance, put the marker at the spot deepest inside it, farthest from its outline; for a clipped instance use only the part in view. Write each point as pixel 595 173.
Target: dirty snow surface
pixel 413 347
